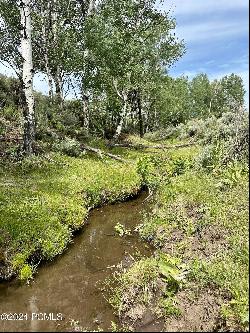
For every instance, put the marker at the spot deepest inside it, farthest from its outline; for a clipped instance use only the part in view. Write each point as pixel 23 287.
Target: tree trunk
pixel 91 7
pixel 123 115
pixel 140 114
pixel 57 70
pixel 59 89
pixel 49 76
pixel 50 85
pixel 85 99
pixel 212 98
pixel 85 110
pixel 27 77
pixel 140 146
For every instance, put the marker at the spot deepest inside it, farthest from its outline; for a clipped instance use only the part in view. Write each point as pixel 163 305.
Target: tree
pixel 10 26
pixel 27 75
pixel 173 101
pixel 201 94
pixel 228 94
pixel 54 42
pixel 16 21
pixel 131 43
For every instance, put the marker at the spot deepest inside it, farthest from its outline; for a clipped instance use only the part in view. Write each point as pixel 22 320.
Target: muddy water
pixel 70 288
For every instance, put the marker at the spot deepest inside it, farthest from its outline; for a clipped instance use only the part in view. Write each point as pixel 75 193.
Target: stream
pixel 69 289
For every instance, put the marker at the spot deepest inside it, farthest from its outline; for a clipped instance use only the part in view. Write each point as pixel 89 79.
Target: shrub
pixel 194 128
pixel 26 273
pixel 227 140
pixel 208 157
pixel 67 146
pixel 166 133
pixel 148 168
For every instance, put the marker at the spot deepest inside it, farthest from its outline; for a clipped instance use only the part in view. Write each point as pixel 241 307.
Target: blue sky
pixel 216 37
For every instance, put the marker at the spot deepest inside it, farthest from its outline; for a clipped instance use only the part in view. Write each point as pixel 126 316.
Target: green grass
pixel 43 200
pixel 136 288
pixel 198 222
pixel 201 218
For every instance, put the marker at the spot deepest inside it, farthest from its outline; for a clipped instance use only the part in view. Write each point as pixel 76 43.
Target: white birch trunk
pixel 123 116
pixel 27 75
pixel 59 87
pixel 91 7
pixel 57 74
pixel 85 100
pixel 85 109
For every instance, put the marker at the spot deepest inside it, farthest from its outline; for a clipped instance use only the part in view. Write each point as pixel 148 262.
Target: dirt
pixel 204 242
pixel 143 319
pixel 200 311
pixel 5 271
pixel 199 307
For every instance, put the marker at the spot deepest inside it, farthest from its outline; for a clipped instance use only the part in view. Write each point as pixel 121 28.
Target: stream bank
pixel 71 287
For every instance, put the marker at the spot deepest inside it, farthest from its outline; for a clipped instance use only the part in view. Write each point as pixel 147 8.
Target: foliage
pixel 138 285
pixel 26 273
pixel 121 230
pixel 148 168
pixel 202 219
pixel 226 141
pixel 52 195
pixel 67 146
pixel 172 270
pixel 114 56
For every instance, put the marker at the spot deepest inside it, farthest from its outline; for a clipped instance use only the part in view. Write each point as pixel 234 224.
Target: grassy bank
pixel 198 279
pixel 43 199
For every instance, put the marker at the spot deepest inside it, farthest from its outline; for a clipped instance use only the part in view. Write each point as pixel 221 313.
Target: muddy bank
pixel 70 288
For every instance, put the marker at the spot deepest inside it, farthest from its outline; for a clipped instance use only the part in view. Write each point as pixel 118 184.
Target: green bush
pixel 67 146
pixel 148 168
pixel 224 141
pixel 162 134
pixel 208 157
pixel 194 128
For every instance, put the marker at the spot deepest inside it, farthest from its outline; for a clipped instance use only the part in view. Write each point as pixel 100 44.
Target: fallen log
pixel 141 146
pixel 101 153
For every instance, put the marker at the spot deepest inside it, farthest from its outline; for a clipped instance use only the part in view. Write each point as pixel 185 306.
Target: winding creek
pixel 71 285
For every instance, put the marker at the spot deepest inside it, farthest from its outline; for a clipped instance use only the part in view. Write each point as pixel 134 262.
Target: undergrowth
pixel 200 217
pixel 43 199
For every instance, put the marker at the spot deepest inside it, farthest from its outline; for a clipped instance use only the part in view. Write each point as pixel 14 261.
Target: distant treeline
pixel 175 101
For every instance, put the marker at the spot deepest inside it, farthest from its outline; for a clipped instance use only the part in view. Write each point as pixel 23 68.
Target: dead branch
pixel 102 153
pixel 140 146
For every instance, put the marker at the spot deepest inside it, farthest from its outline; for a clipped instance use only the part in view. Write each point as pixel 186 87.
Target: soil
pixel 199 306
pixel 200 311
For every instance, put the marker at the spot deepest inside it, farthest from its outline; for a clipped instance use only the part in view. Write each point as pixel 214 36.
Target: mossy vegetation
pixel 43 199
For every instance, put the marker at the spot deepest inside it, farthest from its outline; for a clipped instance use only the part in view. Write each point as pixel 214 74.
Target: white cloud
pixel 199 20
pixel 211 30
pixel 192 7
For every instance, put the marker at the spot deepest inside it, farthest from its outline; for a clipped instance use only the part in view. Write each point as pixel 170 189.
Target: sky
pixel 215 33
